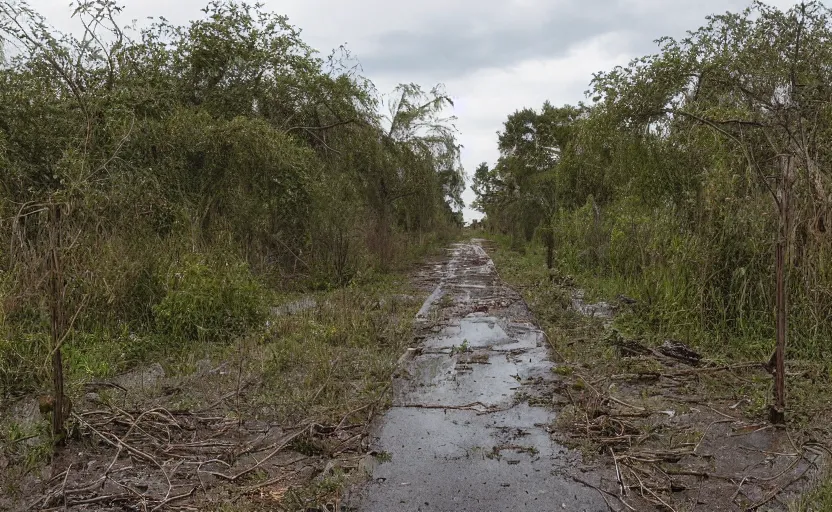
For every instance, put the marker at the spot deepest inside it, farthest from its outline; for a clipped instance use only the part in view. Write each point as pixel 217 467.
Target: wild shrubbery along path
pixel 663 426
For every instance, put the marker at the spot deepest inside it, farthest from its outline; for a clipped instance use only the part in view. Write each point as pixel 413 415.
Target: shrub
pixel 22 358
pixel 210 301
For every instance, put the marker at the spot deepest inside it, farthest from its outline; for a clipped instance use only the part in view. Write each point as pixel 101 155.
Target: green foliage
pixel 662 187
pixel 339 352
pixel 22 361
pixel 210 300
pixel 166 146
pixel 816 501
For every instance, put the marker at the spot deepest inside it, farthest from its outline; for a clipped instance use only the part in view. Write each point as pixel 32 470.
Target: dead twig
pixel 705 433
pixel 739 487
pixel 700 474
pixel 618 473
pixel 603 493
pixel 283 444
pixel 473 406
pixel 650 491
pixel 142 499
pixel 770 496
pixel 625 404
pixel 63 484
pixel 275 480
pixel 712 369
pixel 171 499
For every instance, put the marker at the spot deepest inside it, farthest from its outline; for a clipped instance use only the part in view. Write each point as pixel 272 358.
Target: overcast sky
pixel 494 56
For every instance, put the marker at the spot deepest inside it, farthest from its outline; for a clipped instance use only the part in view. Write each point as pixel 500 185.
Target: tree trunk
pixel 550 255
pixel 56 292
pixel 778 409
pixel 549 242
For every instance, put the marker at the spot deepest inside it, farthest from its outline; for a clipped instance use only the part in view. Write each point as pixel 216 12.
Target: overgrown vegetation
pixel 676 429
pixel 163 188
pixel 163 184
pixel 670 185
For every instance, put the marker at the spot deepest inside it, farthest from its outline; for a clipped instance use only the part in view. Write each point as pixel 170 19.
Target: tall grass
pixel 708 280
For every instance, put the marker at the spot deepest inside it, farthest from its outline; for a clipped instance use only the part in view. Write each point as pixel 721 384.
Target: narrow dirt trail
pixel 468 429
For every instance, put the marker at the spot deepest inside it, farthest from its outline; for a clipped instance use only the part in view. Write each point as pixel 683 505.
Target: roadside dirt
pixel 470 424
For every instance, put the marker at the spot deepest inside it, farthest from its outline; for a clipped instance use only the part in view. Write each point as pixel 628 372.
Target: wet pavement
pixel 469 427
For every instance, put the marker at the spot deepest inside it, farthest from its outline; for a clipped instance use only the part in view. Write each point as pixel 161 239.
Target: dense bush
pixel 159 182
pixel 210 301
pixel 662 186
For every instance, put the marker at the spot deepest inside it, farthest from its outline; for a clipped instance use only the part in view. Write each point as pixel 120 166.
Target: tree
pixel 689 148
pixel 418 156
pixel 66 167
pixel 754 79
pixel 524 187
pixel 226 143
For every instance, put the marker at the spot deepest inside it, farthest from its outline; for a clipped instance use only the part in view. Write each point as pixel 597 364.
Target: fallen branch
pixel 705 433
pixel 618 473
pixel 283 444
pixel 713 369
pixel 473 406
pixel 173 498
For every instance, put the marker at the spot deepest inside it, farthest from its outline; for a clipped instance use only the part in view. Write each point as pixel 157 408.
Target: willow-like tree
pixel 755 79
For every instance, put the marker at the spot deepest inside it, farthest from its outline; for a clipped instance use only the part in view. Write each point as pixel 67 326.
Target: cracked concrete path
pixel 469 427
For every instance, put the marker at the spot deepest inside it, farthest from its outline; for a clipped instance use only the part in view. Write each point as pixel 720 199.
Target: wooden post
pixel 549 242
pixel 778 409
pixel 56 292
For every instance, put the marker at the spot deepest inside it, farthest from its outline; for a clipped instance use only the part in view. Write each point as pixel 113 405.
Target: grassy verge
pixel 818 500
pixel 321 360
pixel 669 406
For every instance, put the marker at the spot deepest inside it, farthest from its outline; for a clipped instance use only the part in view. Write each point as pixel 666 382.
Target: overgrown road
pixel 469 427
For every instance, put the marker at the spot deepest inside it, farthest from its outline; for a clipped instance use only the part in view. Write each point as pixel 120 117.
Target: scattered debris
pixel 295 307
pixel 603 310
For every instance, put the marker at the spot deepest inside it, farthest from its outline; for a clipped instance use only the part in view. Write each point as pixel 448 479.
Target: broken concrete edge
pixel 408 355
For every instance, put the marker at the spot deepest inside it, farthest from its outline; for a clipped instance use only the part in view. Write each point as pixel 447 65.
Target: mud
pixel 470 424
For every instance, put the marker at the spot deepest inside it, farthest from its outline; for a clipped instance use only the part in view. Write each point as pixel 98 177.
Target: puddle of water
pixel 491 378
pixel 525 341
pixel 476 332
pixel 464 460
pixel 461 461
pixel 472 286
pixel 442 380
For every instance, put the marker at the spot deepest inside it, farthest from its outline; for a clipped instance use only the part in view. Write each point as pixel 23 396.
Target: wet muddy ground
pixel 470 427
